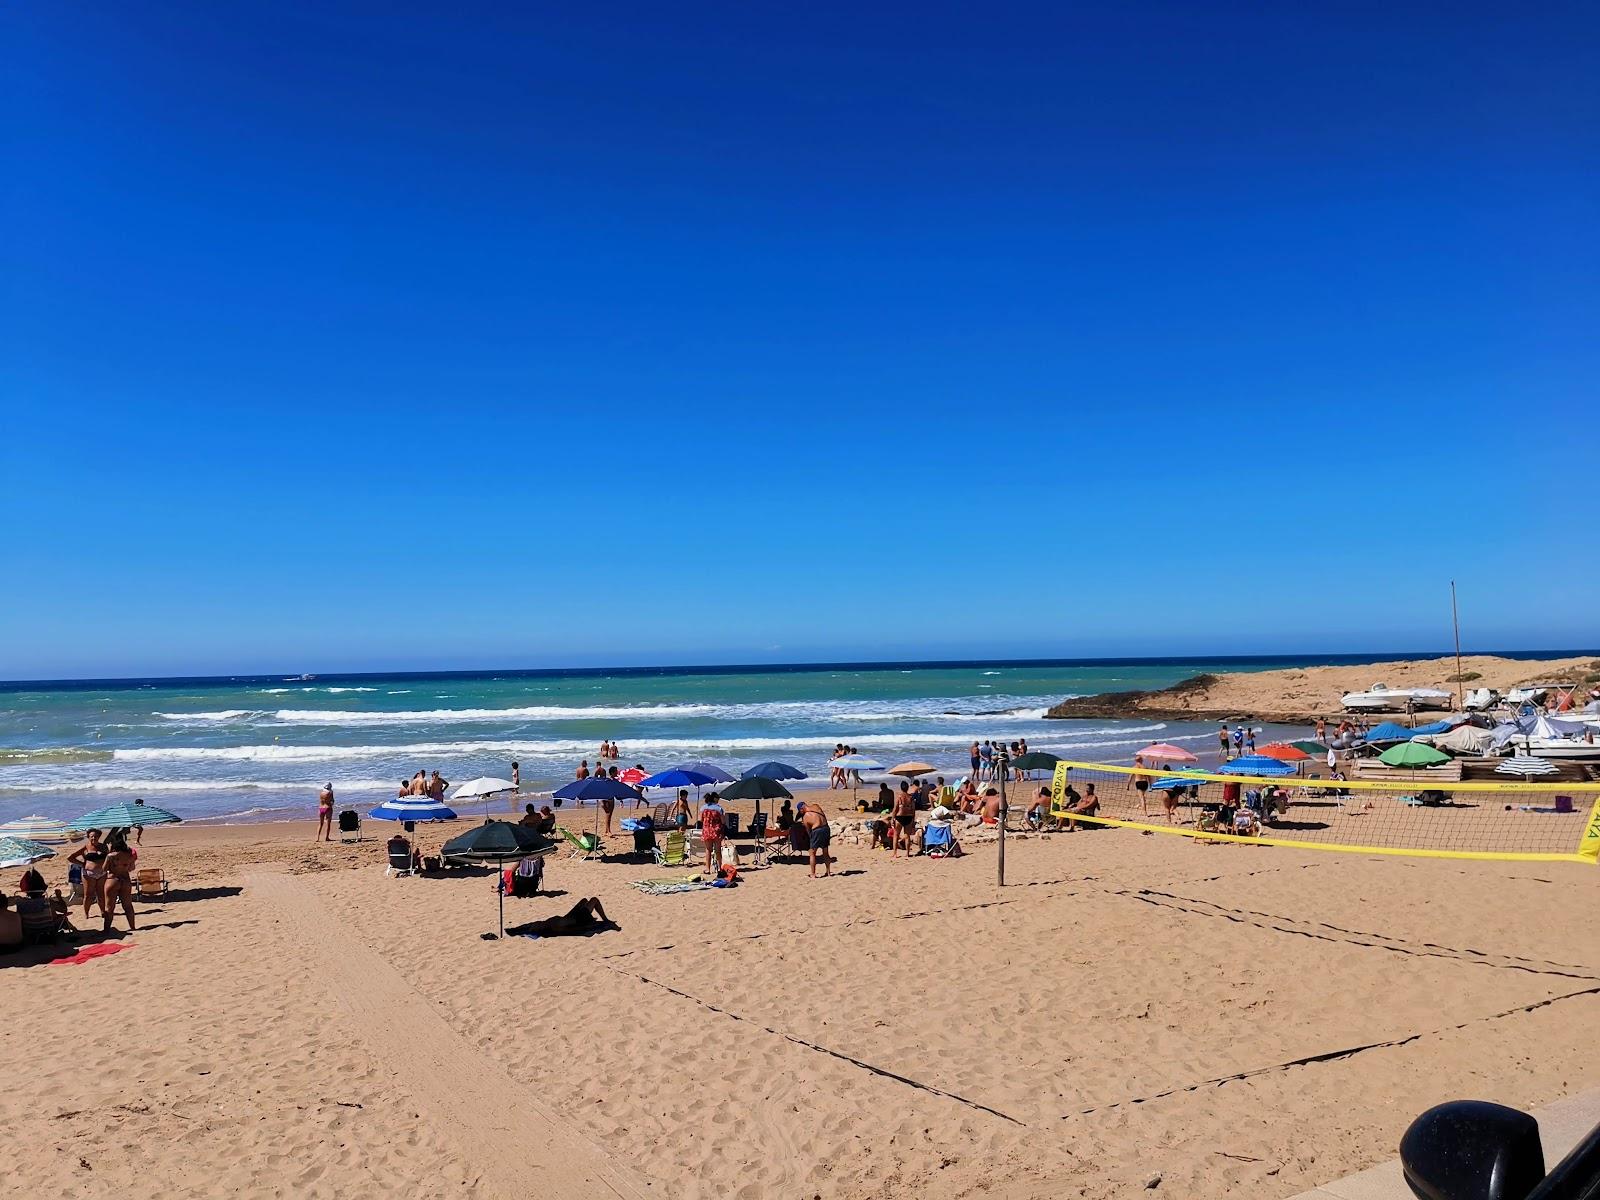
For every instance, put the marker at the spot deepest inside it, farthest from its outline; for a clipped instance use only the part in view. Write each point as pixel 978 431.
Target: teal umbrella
pixel 19 852
pixel 1412 754
pixel 125 816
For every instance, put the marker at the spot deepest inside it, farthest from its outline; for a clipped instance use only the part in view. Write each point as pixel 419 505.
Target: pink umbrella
pixel 1162 752
pixel 633 776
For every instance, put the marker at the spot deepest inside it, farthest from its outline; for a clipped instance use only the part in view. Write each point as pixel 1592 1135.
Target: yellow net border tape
pixel 1420 780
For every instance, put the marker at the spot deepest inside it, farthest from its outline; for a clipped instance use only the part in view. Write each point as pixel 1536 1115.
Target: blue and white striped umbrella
pixel 413 808
pixel 19 852
pixel 855 762
pixel 125 816
pixel 35 829
pixel 1525 765
pixel 710 770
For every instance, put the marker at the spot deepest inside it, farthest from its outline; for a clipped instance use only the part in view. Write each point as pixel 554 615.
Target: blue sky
pixel 348 336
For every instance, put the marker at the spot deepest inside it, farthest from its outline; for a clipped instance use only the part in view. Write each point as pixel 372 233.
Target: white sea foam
pixel 226 714
pixel 138 786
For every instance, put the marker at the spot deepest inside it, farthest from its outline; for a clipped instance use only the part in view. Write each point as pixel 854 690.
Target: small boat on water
pixel 1381 697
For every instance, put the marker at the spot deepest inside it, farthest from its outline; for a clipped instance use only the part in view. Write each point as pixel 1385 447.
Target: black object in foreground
pixel 1474 1150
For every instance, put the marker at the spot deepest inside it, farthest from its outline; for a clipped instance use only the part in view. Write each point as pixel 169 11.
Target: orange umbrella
pixel 1284 752
pixel 1163 752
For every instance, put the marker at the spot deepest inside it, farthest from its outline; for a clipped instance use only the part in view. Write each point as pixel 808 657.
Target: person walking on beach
pixel 1222 742
pixel 905 820
pixel 711 831
pixel 1238 741
pixel 818 835
pixel 1250 740
pixel 976 759
pixel 325 814
pixel 1141 783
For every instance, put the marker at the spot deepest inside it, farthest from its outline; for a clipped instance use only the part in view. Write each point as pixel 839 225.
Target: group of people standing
pixel 106 868
pixel 987 758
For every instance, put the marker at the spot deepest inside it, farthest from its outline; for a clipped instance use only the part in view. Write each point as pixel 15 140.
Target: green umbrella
pixel 19 852
pixel 1315 749
pixel 1412 754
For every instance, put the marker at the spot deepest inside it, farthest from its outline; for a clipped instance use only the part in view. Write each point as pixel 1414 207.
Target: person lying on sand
pixel 586 916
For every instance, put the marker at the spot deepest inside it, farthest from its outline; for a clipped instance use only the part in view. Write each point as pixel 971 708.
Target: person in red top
pixel 711 832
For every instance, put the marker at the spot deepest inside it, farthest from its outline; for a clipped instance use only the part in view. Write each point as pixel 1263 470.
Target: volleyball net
pixel 1419 817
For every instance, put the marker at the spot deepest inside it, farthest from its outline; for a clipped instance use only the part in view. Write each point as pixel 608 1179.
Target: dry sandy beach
pixel 1237 1020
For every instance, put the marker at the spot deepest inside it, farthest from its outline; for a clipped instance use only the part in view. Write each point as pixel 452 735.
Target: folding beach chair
pixel 675 853
pixel 584 845
pixel 399 857
pixel 349 823
pixel 152 881
pixel 938 840
pixel 40 922
pixel 758 830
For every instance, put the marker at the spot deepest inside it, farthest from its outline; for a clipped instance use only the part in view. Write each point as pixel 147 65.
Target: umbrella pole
pixel 500 886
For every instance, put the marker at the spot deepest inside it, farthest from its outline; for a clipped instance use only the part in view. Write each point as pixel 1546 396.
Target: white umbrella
pixel 1526 765
pixel 484 786
pixel 35 829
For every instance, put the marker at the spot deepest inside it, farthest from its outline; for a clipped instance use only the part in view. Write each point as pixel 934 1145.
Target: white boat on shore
pixel 1381 697
pixel 1551 737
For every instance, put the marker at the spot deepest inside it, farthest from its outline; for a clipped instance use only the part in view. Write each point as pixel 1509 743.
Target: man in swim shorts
pixel 818 834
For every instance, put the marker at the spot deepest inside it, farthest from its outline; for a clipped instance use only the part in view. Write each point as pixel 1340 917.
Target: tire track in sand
pixel 519 1147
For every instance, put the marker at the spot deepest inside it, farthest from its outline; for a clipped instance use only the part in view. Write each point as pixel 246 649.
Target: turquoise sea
pixel 259 748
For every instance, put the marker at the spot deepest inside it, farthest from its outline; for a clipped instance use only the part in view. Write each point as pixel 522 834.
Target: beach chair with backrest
pixel 938 840
pixel 399 857
pixel 151 881
pixel 40 922
pixel 349 825
pixel 675 850
pixel 584 845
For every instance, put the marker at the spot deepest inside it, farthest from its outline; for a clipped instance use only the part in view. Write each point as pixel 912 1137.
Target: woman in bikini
pixel 324 815
pixel 119 879
pixel 92 857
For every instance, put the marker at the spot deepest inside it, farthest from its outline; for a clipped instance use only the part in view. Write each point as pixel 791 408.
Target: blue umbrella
pixel 1257 764
pixel 710 770
pixel 675 777
pixel 596 788
pixel 773 770
pixel 1175 781
pixel 413 808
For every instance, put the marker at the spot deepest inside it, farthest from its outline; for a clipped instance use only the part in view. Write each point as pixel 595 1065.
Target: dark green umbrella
pixel 1412 754
pixel 497 841
pixel 1310 747
pixel 1035 760
pixel 757 788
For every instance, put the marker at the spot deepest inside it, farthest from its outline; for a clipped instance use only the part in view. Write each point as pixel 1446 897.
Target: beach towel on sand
pixel 91 952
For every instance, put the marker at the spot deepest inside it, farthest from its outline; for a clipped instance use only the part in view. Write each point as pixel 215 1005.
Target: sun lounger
pixel 584 845
pixel 675 851
pixel 151 881
pixel 399 857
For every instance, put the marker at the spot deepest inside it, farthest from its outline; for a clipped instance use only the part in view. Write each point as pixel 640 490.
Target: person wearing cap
pixel 325 814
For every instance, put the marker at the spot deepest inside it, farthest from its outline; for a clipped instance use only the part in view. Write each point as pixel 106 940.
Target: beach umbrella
pixel 35 829
pixel 413 808
pixel 773 770
pixel 498 841
pixel 912 769
pixel 1526 765
pixel 1258 764
pixel 1313 748
pixel 673 777
pixel 1163 752
pixel 633 776
pixel 1285 752
pixel 484 786
pixel 19 852
pixel 595 789
pixel 125 816
pixel 856 763
pixel 712 772
pixel 1170 782
pixel 1412 754
pixel 1036 760
pixel 757 788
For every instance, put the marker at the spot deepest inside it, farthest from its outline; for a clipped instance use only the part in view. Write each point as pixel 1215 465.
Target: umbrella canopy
pixel 35 829
pixel 413 808
pixel 773 770
pixel 855 762
pixel 125 816
pixel 595 788
pixel 1036 760
pixel 1412 754
pixel 1284 752
pixel 485 785
pixel 1526 765
pixel 633 776
pixel 711 771
pixel 1163 752
pixel 1258 764
pixel 497 841
pixel 19 852
pixel 673 777
pixel 912 769
pixel 755 788
pixel 1170 782
pixel 1313 748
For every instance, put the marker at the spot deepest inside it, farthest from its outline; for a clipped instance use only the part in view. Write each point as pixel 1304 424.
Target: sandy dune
pixel 1239 1020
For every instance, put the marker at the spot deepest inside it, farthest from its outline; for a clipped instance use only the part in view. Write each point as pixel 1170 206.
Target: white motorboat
pixel 1534 693
pixel 1380 697
pixel 1551 737
pixel 1481 699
